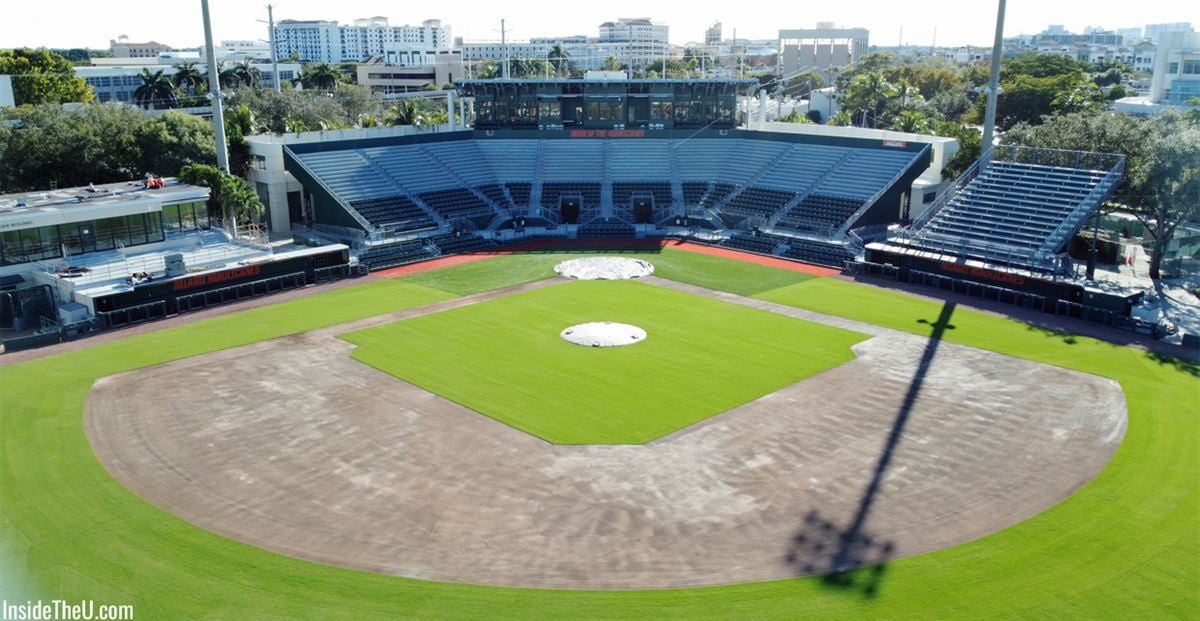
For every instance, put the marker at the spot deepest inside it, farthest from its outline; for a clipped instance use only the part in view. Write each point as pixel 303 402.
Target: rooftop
pixel 58 200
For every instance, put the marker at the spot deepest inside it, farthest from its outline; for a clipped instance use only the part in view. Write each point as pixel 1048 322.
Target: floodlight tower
pixel 214 91
pixel 993 91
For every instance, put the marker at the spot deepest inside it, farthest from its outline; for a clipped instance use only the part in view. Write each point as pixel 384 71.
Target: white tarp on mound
pixel 604 268
pixel 603 334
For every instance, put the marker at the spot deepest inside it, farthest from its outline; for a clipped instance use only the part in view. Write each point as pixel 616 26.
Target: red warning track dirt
pixel 601 244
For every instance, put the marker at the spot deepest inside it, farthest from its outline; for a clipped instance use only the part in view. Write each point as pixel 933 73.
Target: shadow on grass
pixel 851 558
pixel 1179 364
pixel 1066 337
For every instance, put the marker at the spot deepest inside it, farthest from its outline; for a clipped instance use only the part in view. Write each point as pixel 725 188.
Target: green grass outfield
pixel 1123 547
pixel 504 358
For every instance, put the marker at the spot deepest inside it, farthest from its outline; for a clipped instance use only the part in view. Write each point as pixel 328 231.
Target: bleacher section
pixel 605 230
pixel 396 212
pixel 750 243
pixel 623 192
pixel 389 255
pixel 457 203
pixel 456 243
pixel 731 184
pixel 552 193
pixel 816 212
pixel 519 193
pixel 1014 213
pixel 495 193
pixel 756 201
pixel 811 251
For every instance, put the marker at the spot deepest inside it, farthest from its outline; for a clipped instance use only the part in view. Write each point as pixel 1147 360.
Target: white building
pixel 1176 76
pixel 122 47
pixel 1154 31
pixel 244 49
pixel 821 48
pixel 1176 68
pixel 634 41
pixel 117 83
pixel 327 41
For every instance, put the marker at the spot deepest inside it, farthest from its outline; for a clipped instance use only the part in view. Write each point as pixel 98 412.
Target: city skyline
pixel 92 25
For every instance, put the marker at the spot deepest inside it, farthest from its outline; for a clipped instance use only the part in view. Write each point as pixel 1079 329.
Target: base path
pixel 915 445
pixel 602 244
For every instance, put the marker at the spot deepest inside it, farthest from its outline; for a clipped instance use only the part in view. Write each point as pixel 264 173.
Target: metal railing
pixel 1062 158
pixel 948 195
pixel 858 213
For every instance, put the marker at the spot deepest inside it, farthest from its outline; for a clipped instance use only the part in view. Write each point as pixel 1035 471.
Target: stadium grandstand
pixel 606 160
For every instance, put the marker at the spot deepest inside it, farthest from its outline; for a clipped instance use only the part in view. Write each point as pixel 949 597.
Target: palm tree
pixel 611 64
pixel 320 76
pixel 228 77
pixel 246 74
pixel 155 89
pixel 188 78
pixel 869 93
pixel 912 121
pixel 407 112
pixel 841 119
pixel 560 61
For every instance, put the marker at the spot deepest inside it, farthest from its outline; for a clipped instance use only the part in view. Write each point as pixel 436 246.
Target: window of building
pixel 1191 67
pixel 259 163
pixel 1173 68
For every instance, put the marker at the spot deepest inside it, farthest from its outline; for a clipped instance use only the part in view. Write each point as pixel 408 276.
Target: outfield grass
pixel 1125 546
pixel 504 358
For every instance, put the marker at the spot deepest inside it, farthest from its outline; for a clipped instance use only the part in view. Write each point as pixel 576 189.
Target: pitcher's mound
pixel 604 268
pixel 603 334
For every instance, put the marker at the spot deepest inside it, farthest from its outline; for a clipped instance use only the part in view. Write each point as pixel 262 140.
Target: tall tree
pixel 868 95
pixel 913 122
pixel 320 76
pixel 560 60
pixel 156 90
pixel 1173 185
pixel 49 143
pixel 611 64
pixel 188 78
pixel 246 73
pixel 41 76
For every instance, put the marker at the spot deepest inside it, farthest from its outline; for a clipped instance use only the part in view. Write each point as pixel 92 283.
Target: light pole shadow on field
pixel 851 558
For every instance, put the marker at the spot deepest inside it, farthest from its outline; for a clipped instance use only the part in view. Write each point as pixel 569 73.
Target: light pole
pixel 214 91
pixel 989 118
pixel 271 39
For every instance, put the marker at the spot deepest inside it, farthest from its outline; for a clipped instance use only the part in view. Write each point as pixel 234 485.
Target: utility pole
pixel 214 91
pixel 274 52
pixel 504 46
pixel 989 119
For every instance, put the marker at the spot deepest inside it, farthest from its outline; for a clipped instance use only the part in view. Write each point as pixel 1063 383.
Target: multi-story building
pixel 821 48
pixel 1176 68
pixel 326 41
pixel 712 35
pixel 117 83
pixel 244 49
pixel 385 77
pixel 1154 31
pixel 635 41
pixel 122 47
